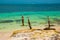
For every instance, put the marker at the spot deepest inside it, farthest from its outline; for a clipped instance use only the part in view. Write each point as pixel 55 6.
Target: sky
pixel 29 1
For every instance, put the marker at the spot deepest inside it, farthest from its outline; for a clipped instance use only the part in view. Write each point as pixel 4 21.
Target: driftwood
pixel 49 29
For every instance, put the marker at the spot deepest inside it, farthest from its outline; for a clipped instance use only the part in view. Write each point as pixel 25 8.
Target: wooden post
pixel 22 20
pixel 29 23
pixel 48 22
pixel 48 28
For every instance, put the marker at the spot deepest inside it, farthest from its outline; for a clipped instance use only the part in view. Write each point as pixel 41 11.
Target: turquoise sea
pixel 37 14
pixel 33 15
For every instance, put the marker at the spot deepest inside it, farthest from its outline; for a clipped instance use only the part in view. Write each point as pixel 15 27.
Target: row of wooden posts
pixel 29 23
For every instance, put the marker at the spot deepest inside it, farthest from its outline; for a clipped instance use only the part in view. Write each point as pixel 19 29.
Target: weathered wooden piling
pixel 48 22
pixel 29 23
pixel 22 20
pixel 48 28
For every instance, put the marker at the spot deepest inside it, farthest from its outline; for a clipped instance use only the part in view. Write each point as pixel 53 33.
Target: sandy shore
pixel 4 35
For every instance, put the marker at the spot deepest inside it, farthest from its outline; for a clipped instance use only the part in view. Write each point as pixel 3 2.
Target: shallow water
pixel 36 12
pixel 36 18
